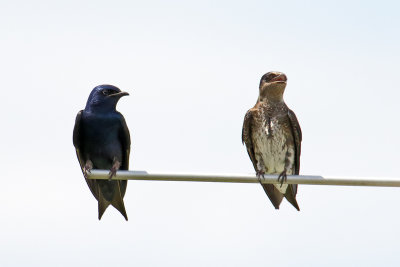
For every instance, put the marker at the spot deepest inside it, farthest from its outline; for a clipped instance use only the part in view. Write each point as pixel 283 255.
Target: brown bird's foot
pixel 114 169
pixel 282 177
pixel 260 174
pixel 87 168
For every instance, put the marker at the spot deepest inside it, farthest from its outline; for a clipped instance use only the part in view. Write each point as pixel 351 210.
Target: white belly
pixel 270 152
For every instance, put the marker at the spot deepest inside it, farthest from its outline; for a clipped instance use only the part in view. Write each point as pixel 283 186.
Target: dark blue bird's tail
pixel 116 200
pixel 102 205
pixel 118 203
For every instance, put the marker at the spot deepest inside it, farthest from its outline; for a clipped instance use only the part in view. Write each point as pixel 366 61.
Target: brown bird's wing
pixel 246 136
pixel 273 194
pixel 297 137
pixel 82 161
pixel 296 131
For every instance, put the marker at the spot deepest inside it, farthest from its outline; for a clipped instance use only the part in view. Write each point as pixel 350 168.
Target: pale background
pixel 192 69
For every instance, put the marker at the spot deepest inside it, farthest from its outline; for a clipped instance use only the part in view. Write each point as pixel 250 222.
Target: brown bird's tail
pixel 276 197
pixel 290 195
pixel 273 194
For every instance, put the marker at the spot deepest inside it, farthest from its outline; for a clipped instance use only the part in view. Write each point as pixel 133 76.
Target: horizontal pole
pixel 245 178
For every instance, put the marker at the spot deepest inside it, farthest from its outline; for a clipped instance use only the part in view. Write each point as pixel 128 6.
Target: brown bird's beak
pixel 120 94
pixel 280 78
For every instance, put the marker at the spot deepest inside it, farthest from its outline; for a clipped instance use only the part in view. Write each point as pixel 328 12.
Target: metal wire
pixel 245 178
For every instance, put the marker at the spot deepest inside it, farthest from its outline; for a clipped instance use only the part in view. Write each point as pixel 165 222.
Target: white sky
pixel 192 69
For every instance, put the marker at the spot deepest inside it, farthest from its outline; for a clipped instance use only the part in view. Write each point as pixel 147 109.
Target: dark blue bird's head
pixel 104 98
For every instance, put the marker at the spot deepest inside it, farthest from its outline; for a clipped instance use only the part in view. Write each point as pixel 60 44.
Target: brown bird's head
pixel 272 86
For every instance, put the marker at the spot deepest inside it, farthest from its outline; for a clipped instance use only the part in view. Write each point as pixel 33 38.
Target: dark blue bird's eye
pixel 107 92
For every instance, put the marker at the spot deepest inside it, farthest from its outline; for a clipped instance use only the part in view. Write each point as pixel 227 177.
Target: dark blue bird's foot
pixel 260 174
pixel 87 168
pixel 114 169
pixel 282 177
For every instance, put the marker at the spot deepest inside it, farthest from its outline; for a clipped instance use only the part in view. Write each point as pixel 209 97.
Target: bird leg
pixel 282 177
pixel 260 174
pixel 87 168
pixel 114 168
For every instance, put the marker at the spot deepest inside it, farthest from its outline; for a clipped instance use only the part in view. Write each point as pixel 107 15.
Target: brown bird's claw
pixel 114 169
pixel 260 174
pixel 282 177
pixel 87 168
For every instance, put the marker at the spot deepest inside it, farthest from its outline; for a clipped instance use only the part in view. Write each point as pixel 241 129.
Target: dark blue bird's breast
pixel 101 139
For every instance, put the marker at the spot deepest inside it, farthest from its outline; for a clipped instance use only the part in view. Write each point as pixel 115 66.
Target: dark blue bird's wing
pixel 82 161
pixel 118 188
pixel 125 139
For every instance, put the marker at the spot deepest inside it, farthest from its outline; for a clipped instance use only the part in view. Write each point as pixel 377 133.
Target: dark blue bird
pixel 102 141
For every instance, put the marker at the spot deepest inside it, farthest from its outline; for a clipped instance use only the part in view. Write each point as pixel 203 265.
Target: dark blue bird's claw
pixel 86 172
pixel 113 172
pixel 260 174
pixel 114 169
pixel 87 168
pixel 282 177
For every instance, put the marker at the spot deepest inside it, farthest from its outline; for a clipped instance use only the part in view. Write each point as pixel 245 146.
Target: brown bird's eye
pixel 270 76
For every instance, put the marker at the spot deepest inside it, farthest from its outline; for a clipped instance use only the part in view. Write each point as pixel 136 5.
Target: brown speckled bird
pixel 272 136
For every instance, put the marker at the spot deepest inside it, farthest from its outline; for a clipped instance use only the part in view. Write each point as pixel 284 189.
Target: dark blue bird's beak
pixel 120 94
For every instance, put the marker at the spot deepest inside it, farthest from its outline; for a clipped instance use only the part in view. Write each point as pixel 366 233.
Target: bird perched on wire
pixel 102 141
pixel 273 136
